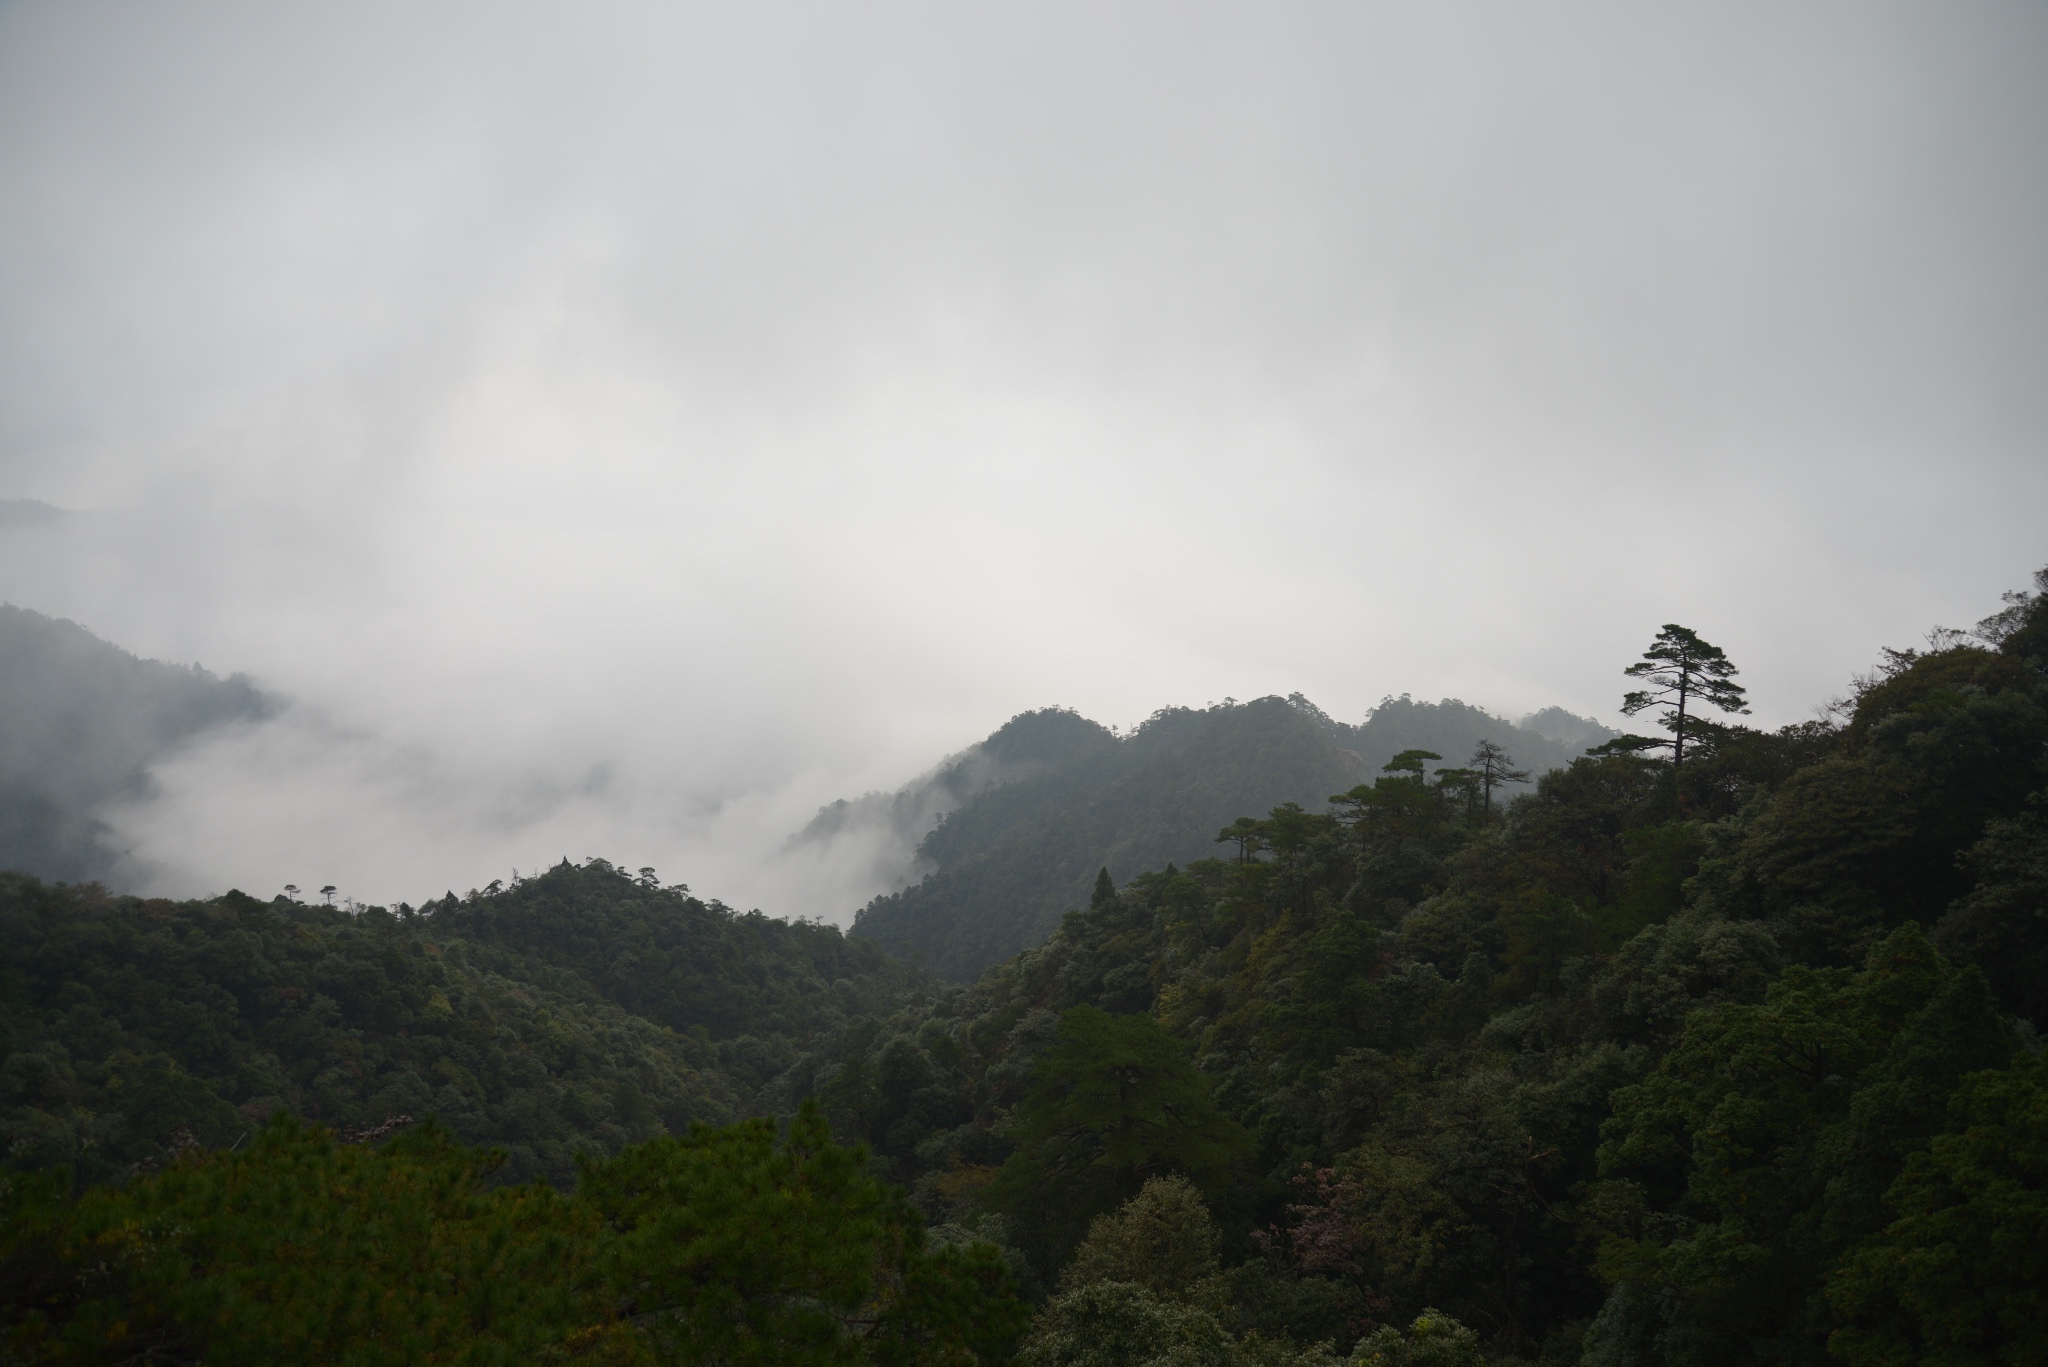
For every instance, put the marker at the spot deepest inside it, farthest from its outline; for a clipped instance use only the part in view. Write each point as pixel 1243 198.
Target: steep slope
pixel 1066 797
pixel 81 721
pixel 1659 1065
pixel 881 831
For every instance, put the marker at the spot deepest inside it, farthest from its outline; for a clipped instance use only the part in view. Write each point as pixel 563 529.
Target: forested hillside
pixel 1727 1061
pixel 1718 1047
pixel 1032 813
pixel 740 1244
pixel 80 723
pixel 576 1011
pixel 163 1200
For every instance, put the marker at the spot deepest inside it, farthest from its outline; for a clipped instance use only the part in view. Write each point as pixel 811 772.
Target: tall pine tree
pixel 1683 673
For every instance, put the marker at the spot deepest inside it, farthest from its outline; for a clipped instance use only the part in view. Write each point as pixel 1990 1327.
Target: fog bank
pixel 621 431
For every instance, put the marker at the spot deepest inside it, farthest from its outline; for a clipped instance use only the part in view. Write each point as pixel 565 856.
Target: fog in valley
pixel 624 429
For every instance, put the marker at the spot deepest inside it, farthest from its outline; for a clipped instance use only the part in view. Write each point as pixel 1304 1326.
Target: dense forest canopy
pixel 1025 819
pixel 1723 1058
pixel 738 1245
pixel 576 1011
pixel 1727 1062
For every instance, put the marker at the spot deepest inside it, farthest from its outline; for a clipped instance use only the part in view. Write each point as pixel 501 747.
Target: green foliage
pixel 1066 795
pixel 301 1249
pixel 1868 838
pixel 1117 1324
pixel 2020 630
pixel 1123 1324
pixel 1653 1066
pixel 672 958
pixel 1011 860
pixel 1114 1102
pixel 728 1245
pixel 2001 925
pixel 1686 675
pixel 1961 1274
pixel 129 1021
pixel 1765 1141
pixel 1433 1339
pixel 731 1246
pixel 1493 767
pixel 1448 1182
pixel 1445 1183
pixel 1424 1017
pixel 1411 763
pixel 1146 1281
pixel 1161 1239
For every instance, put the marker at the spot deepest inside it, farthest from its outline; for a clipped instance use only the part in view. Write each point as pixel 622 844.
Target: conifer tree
pixel 1409 763
pixel 1495 767
pixel 1683 672
pixel 1248 834
pixel 1105 891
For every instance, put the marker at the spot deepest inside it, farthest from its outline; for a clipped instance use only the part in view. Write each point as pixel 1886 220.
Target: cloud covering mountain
pixel 621 430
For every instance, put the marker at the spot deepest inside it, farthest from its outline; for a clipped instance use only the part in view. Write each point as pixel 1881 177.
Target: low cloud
pixel 299 800
pixel 625 432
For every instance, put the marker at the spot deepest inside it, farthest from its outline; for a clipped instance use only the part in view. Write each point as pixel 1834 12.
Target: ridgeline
pixel 1025 819
pixel 1715 1047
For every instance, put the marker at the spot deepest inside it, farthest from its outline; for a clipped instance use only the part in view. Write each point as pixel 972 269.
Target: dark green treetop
pixel 1773 1130
pixel 1114 1102
pixel 1410 762
pixel 1682 671
pixel 749 1245
pixel 1247 833
pixel 1495 767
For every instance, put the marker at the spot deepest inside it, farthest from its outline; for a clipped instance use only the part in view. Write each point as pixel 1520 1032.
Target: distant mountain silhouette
pixel 81 721
pixel 29 512
pixel 1025 819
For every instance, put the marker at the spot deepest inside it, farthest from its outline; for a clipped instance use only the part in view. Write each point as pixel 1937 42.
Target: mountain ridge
pixel 81 722
pixel 1021 822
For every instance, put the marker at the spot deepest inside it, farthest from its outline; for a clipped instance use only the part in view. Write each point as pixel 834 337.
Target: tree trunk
pixel 1678 736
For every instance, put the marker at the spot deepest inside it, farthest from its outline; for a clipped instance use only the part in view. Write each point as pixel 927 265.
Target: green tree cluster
pixel 737 1245
pixel 578 1011
pixel 1757 1157
pixel 1145 1286
pixel 1732 1060
pixel 1726 1061
pixel 1113 1102
pixel 1051 798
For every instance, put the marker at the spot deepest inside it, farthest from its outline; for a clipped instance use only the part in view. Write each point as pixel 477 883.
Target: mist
pixel 620 431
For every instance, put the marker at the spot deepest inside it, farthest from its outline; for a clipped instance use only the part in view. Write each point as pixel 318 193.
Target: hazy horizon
pixel 823 872
pixel 622 431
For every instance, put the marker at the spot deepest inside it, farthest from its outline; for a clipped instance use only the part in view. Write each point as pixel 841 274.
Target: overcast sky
pixel 620 428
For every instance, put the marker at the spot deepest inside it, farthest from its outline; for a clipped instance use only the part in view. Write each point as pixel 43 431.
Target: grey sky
pixel 621 428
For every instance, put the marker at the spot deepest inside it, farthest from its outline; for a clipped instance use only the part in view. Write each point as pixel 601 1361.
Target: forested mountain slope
pixel 1733 1061
pixel 80 723
pixel 578 1010
pixel 1729 1063
pixel 1036 810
